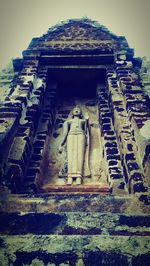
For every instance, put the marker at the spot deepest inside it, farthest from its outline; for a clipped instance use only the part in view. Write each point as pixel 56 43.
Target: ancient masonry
pixel 104 220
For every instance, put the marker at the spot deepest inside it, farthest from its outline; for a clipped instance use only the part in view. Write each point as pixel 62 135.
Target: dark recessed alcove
pixel 76 82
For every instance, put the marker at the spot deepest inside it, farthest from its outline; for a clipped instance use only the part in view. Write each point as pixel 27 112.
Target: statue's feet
pixel 69 181
pixel 78 181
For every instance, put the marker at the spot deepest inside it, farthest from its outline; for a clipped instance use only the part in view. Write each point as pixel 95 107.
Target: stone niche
pixel 74 87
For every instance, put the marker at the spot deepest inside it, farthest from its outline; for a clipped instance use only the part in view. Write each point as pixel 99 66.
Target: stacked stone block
pixel 111 151
pixel 24 102
pixel 132 168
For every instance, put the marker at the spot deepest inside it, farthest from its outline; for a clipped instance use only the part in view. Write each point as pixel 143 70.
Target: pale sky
pixel 21 20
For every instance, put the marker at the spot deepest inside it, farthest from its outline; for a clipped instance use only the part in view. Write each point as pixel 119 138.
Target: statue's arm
pixel 65 134
pixel 87 131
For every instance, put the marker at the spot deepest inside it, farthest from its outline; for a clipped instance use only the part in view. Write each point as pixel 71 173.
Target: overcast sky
pixel 21 20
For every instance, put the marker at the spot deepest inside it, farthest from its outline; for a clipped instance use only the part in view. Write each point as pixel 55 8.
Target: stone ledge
pixel 70 250
pixel 74 223
pixel 127 204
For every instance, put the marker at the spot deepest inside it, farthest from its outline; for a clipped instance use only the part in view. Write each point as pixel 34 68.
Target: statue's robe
pixel 77 149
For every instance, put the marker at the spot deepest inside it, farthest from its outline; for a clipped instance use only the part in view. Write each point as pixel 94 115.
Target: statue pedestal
pixel 75 189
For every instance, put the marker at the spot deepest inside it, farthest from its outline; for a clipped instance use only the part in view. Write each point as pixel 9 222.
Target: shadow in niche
pixel 79 82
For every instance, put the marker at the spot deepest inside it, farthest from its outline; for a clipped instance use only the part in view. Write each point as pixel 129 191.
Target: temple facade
pixel 75 150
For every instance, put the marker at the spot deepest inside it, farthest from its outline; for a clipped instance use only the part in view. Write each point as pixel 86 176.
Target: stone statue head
pixel 77 111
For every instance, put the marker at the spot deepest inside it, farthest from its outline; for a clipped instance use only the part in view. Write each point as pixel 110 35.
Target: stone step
pixel 74 223
pixel 54 202
pixel 63 250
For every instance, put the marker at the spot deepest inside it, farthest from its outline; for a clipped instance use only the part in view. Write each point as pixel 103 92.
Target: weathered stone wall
pixel 74 230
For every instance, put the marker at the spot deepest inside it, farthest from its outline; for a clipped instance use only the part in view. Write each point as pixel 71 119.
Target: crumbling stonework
pixel 105 219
